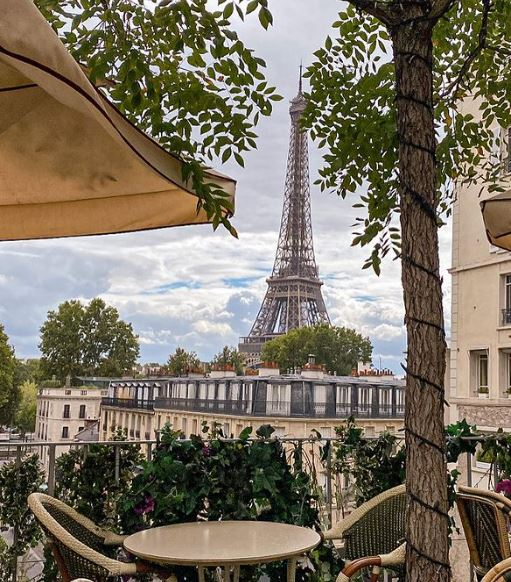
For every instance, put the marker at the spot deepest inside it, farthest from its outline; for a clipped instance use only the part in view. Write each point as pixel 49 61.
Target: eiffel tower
pixel 293 298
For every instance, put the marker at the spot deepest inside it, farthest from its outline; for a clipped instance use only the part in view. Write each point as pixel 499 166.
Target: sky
pixel 198 289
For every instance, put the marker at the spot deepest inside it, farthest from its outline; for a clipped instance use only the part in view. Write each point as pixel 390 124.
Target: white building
pixel 64 412
pixel 480 355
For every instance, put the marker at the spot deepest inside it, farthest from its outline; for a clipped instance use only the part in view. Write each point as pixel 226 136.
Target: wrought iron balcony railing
pixel 128 403
pixel 280 408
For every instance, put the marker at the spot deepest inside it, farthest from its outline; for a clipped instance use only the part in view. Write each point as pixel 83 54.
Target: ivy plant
pixel 18 479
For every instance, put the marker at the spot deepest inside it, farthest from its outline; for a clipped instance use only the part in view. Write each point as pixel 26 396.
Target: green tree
pixel 61 342
pixel 181 72
pixel 26 412
pixel 86 340
pixel 181 362
pixel 28 370
pixel 229 357
pixel 387 103
pixel 9 392
pixel 109 345
pixel 338 348
pixel 383 91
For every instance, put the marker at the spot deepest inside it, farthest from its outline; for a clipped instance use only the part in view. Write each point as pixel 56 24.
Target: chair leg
pixel 66 577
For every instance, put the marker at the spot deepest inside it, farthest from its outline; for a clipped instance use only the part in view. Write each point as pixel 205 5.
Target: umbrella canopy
pixel 497 219
pixel 70 163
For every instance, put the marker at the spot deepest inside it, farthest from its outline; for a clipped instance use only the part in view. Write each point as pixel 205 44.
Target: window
pixel 343 400
pixel 65 432
pixel 80 428
pixel 482 373
pixel 82 411
pixel 479 371
pixel 385 401
pixel 364 400
pixel 83 392
pixel 67 409
pixel 506 311
pixel 68 392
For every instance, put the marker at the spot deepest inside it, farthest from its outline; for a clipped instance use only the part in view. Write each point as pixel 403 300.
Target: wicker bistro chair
pixel 484 516
pixel 373 535
pixel 501 572
pixel 78 544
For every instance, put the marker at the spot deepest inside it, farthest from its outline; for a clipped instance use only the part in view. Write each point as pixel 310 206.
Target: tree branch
pixel 375 8
pixel 441 7
pixel 474 53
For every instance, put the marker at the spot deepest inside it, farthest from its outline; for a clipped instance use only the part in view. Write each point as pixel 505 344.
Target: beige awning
pixel 70 163
pixel 497 219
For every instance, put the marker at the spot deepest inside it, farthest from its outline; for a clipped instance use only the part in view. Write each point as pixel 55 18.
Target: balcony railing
pixel 280 408
pixel 506 316
pixel 332 504
pixel 128 403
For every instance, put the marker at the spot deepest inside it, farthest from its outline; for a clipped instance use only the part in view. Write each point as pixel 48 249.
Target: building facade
pixel 63 413
pixel 294 404
pixel 480 354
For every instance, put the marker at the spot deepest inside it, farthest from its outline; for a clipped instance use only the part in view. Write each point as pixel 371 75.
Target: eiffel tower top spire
pixel 293 298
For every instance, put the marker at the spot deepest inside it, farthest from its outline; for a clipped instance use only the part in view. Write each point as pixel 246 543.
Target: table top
pixel 214 543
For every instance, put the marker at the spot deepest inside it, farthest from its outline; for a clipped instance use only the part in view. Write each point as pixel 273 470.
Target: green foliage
pixel 182 362
pixel 26 413
pixel 352 111
pixel 456 440
pixel 18 479
pixel 85 478
pixel 9 392
pixel 375 465
pixel 230 357
pixel 338 348
pixel 86 340
pixel 207 477
pixel 179 71
pixel 28 370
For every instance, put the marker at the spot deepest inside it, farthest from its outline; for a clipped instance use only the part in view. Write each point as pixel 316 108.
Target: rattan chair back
pixel 484 517
pixel 381 529
pixel 74 545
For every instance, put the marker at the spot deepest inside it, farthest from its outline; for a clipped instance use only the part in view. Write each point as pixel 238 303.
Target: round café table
pixel 225 544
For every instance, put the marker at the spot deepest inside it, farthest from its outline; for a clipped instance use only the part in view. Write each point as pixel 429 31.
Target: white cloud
pixel 199 289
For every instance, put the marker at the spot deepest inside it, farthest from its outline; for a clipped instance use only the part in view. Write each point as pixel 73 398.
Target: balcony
pixel 113 462
pixel 128 403
pixel 270 408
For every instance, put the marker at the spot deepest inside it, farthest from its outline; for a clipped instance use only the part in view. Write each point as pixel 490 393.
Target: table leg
pixel 291 570
pixel 201 574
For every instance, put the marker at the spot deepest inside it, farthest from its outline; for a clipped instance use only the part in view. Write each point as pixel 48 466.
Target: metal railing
pixel 280 408
pixel 128 403
pixel 331 484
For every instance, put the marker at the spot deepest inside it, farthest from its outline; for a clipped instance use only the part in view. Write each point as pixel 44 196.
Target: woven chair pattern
pixel 69 534
pixel 483 522
pixel 380 531
pixel 79 566
pixel 76 529
pixel 484 516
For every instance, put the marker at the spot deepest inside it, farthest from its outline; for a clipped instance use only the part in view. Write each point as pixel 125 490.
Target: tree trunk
pixel 426 481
